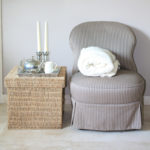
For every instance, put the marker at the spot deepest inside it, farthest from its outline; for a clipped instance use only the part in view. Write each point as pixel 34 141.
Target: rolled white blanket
pixel 95 61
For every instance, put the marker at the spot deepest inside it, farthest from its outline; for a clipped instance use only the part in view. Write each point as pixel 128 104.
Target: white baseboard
pixel 146 100
pixel 3 99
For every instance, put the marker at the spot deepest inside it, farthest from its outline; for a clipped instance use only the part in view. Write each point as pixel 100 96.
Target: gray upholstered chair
pixel 106 103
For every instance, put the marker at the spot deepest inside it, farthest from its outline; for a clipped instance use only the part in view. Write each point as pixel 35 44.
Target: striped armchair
pixel 106 104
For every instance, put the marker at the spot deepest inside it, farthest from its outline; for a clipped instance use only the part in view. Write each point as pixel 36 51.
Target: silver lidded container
pixel 30 66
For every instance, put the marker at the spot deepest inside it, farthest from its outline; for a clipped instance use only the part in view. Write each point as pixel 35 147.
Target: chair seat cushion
pixel 126 87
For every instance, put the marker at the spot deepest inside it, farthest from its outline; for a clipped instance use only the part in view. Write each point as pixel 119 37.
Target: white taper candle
pixel 46 37
pixel 38 37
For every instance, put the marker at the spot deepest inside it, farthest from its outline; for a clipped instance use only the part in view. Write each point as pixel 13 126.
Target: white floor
pixel 72 139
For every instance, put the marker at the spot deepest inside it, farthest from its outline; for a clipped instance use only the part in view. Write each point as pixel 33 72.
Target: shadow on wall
pixel 142 57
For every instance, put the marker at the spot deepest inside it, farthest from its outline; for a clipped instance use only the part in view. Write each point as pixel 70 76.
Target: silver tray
pixel 22 73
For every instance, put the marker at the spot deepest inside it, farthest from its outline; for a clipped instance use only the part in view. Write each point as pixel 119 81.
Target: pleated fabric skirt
pixel 107 117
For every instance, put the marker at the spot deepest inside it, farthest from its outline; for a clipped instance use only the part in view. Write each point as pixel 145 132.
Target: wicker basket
pixel 35 102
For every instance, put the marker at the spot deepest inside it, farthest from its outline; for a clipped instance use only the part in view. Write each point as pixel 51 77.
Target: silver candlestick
pixel 39 56
pixel 45 56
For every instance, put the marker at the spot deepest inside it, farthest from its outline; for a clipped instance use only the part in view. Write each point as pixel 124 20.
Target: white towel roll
pixel 95 61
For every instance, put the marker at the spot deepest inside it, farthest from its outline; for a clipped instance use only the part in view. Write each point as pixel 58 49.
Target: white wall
pixel 19 32
pixel 0 50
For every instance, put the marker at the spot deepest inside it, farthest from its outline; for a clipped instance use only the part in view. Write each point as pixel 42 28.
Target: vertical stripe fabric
pixel 107 117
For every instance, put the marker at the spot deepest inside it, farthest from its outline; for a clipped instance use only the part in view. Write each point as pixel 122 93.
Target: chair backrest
pixel 116 37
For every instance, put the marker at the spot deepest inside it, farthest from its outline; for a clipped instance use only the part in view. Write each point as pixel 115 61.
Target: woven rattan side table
pixel 35 102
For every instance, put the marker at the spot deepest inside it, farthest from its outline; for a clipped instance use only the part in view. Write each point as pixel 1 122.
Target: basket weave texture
pixel 35 102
